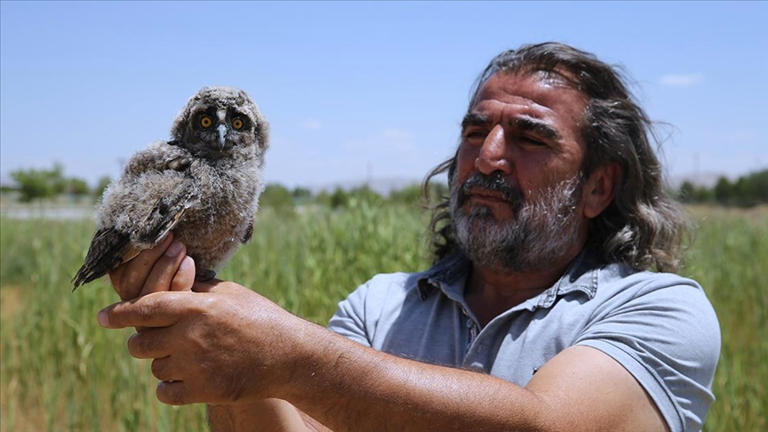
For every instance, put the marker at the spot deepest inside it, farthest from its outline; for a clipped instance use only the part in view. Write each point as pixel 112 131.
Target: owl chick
pixel 204 185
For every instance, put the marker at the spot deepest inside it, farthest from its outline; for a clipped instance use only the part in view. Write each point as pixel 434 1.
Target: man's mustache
pixel 494 182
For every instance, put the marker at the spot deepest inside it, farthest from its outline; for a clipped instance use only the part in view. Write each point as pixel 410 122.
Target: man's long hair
pixel 642 227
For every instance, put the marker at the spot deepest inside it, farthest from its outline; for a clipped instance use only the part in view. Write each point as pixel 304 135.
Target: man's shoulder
pixel 389 287
pixel 620 279
pixel 663 329
pixel 665 306
pixel 395 286
pixel 375 305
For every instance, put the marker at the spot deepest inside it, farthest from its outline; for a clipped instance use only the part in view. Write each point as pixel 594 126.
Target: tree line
pixel 746 191
pixel 39 184
pixel 35 184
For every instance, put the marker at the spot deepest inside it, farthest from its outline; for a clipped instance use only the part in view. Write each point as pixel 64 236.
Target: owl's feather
pixel 110 247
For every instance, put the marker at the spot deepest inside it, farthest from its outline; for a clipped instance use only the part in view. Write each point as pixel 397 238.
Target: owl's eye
pixel 206 121
pixel 237 123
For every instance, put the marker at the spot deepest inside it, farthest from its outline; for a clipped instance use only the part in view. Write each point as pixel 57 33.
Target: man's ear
pixel 600 188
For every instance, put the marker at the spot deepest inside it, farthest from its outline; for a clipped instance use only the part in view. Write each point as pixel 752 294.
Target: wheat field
pixel 60 371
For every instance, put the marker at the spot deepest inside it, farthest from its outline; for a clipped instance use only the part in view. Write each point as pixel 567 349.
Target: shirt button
pixel 469 323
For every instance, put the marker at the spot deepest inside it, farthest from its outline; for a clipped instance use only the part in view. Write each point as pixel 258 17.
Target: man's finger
pixel 163 369
pixel 154 310
pixel 164 269
pixel 175 393
pixel 133 274
pixel 151 343
pixel 185 276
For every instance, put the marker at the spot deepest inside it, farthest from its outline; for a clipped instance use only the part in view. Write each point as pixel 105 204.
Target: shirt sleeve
pixel 666 334
pixel 349 319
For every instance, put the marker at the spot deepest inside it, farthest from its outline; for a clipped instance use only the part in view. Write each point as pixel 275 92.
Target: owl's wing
pixel 110 247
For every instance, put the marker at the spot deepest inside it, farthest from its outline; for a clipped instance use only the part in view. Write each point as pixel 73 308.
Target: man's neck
pixel 490 292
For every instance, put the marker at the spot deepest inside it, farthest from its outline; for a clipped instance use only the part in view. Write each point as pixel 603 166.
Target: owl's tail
pixel 108 249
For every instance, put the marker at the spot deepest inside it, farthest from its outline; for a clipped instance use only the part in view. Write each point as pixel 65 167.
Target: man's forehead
pixel 536 94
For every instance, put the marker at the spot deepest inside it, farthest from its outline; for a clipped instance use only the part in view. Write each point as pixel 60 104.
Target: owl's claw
pixel 205 275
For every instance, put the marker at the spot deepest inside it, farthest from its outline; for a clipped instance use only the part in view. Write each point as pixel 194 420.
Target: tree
pixel 686 192
pixel 77 186
pixel 301 195
pixel 101 186
pixel 339 198
pixel 35 184
pixel 723 191
pixel 276 196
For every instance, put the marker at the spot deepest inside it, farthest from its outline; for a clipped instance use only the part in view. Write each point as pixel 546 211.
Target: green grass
pixel 730 260
pixel 61 371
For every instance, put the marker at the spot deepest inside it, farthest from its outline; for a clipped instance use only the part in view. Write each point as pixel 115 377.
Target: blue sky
pixel 357 90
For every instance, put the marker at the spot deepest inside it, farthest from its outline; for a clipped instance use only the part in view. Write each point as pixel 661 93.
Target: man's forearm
pixel 350 387
pixel 268 415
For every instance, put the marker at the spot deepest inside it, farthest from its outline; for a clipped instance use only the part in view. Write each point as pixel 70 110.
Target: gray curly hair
pixel 643 226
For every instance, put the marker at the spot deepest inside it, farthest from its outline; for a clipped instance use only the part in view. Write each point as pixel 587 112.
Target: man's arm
pixel 232 346
pixel 268 415
pixel 363 389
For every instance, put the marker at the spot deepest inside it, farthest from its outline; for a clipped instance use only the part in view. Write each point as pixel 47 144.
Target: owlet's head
pixel 219 122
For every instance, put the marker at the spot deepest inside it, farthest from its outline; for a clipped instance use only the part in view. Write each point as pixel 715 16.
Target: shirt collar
pixel 449 276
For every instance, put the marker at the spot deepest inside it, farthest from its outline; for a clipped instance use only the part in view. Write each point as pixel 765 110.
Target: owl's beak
pixel 222 134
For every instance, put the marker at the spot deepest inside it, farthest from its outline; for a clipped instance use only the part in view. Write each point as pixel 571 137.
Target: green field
pixel 61 371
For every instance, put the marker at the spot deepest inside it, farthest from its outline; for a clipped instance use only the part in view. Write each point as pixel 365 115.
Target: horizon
pixel 360 91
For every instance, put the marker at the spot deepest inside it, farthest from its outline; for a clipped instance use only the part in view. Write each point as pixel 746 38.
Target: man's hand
pixel 221 344
pixel 165 267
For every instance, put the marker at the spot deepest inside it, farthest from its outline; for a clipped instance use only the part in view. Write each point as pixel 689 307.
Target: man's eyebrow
pixel 537 126
pixel 474 119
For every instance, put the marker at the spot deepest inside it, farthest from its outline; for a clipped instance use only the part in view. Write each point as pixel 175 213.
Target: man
pixel 536 316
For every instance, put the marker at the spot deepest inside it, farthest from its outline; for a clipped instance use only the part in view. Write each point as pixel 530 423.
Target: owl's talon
pixel 205 275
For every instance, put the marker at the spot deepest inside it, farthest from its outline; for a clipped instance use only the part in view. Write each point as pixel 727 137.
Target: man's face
pixel 516 191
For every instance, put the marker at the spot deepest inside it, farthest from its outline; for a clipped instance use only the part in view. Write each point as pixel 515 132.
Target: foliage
pixel 61 371
pixel 339 198
pixel 101 186
pixel 76 186
pixel 277 197
pixel 35 184
pixel 39 183
pixel 301 195
pixel 413 195
pixel 694 194
pixel 746 191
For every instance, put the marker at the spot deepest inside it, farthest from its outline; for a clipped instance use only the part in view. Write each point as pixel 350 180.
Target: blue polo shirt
pixel 659 326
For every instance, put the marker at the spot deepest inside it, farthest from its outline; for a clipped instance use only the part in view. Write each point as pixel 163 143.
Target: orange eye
pixel 237 123
pixel 206 122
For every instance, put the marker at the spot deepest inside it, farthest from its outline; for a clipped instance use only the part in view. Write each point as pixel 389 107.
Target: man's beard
pixel 541 231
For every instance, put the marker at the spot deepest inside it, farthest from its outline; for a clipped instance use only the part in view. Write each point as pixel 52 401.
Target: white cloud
pixel 682 80
pixel 312 124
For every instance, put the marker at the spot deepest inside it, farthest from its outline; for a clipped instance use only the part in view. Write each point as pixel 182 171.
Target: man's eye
pixel 532 141
pixel 474 135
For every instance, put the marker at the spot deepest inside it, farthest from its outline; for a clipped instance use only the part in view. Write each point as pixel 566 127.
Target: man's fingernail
pixel 103 319
pixel 174 249
pixel 187 264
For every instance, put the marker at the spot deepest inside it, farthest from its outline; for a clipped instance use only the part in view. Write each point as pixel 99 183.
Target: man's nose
pixel 493 153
